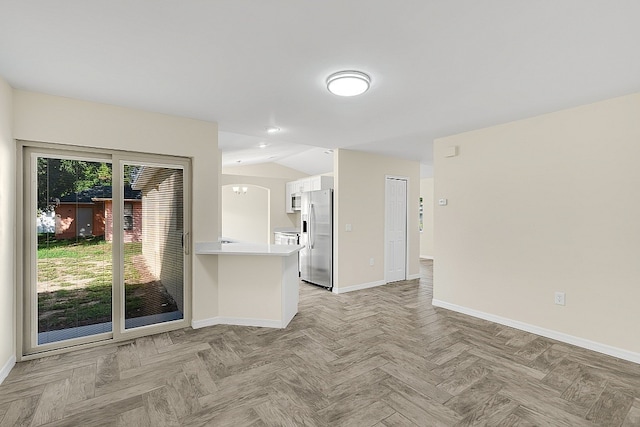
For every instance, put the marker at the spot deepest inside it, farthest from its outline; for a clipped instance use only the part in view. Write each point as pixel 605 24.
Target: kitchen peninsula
pixel 257 283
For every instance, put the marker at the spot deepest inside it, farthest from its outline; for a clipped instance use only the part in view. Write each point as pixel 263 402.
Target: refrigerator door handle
pixel 312 241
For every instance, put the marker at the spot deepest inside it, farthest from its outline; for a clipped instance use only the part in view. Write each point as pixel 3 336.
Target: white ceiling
pixel 437 67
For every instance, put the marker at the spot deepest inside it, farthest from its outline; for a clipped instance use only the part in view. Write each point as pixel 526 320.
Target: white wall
pixel 359 200
pixel 39 117
pixel 278 217
pixel 7 231
pixel 547 204
pixel 426 237
pixel 245 216
pixel 267 170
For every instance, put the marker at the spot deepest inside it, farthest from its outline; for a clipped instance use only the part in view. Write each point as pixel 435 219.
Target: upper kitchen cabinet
pixel 318 182
pixel 295 188
pixel 289 191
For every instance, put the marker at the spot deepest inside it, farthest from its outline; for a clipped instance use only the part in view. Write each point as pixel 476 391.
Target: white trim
pixel 4 372
pixel 286 321
pixel 426 257
pixel 413 276
pixel 237 321
pixel 358 287
pixel 549 333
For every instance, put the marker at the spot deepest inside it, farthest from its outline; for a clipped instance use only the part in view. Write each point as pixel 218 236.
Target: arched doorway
pixel 245 213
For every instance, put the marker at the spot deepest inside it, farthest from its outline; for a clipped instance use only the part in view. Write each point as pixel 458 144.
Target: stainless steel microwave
pixel 296 201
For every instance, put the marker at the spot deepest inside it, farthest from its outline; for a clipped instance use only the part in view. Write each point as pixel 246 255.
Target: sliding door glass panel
pixel 153 237
pixel 72 296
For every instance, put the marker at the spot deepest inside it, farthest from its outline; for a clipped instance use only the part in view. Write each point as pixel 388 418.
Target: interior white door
pixel 396 230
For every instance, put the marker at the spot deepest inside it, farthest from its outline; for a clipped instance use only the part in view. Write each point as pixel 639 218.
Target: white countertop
pixel 217 248
pixel 294 230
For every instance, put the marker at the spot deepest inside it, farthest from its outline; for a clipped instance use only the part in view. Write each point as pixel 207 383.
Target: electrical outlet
pixel 559 298
pixel 371 262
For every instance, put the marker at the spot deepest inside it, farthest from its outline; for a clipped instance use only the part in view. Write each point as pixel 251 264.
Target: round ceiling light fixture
pixel 272 129
pixel 348 83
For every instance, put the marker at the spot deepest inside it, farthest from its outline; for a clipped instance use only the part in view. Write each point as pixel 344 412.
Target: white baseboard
pixel 426 257
pixel 549 333
pixel 237 321
pixel 413 276
pixel 358 287
pixel 287 321
pixel 4 372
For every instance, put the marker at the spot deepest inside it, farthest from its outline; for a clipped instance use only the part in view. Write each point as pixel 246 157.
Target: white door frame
pixel 406 232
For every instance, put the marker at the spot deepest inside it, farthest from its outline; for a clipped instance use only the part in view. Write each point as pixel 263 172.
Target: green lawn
pixel 91 247
pixel 74 283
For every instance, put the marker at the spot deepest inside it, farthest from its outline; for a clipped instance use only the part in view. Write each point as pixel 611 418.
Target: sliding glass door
pixel 105 246
pixel 72 292
pixel 153 238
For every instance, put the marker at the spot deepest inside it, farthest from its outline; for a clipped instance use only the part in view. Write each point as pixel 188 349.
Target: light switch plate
pixel 443 202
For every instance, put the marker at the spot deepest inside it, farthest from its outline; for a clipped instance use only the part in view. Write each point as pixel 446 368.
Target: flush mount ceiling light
pixel 348 83
pixel 272 129
pixel 263 145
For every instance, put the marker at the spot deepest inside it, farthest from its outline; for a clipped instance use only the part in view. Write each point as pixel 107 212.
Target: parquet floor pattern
pixel 377 357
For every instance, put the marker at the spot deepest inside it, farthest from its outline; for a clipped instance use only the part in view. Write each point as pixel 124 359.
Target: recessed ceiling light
pixel 263 145
pixel 272 129
pixel 348 83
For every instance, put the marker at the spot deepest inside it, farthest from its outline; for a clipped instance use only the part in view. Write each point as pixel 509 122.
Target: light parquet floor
pixel 377 357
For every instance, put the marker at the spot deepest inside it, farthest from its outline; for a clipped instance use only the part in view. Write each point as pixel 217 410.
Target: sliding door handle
pixel 185 243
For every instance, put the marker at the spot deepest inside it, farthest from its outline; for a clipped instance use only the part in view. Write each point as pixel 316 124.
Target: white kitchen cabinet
pixel 305 185
pixel 312 183
pixel 319 182
pixel 288 201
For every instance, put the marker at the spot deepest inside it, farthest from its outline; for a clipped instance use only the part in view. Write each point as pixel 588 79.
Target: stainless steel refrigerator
pixel 316 234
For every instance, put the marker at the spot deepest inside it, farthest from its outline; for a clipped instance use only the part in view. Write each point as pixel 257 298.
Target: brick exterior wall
pixel 133 235
pixel 67 213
